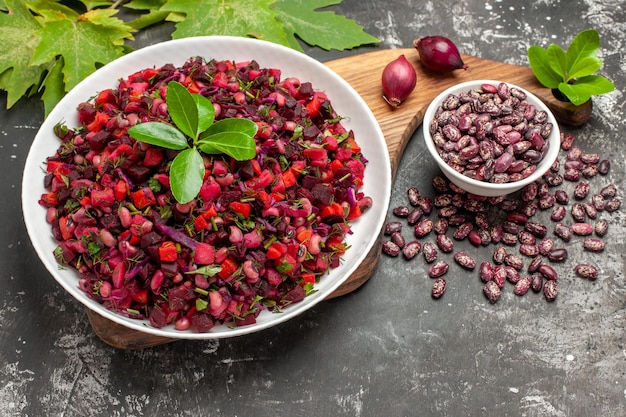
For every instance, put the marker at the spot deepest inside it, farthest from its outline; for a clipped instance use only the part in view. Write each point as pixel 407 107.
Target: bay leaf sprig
pixel 195 131
pixel 571 72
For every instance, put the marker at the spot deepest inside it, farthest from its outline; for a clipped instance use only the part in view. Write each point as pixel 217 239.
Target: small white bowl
pixel 484 188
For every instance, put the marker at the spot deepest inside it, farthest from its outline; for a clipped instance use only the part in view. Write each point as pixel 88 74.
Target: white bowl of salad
pixel 206 187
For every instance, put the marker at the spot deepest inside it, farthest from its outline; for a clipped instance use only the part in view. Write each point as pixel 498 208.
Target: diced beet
pixel 178 297
pixel 227 197
pixel 294 295
pixel 150 239
pixel 158 317
pixel 310 132
pixel 98 141
pixel 202 322
pixel 246 321
pixel 138 173
pixel 66 252
pixel 322 193
pixel 306 89
pixel 111 222
pixel 310 181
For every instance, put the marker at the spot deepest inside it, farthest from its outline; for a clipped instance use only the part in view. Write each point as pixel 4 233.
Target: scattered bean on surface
pixel 508 222
pixel 439 287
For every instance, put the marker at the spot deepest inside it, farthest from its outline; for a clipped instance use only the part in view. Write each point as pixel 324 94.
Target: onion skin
pixel 398 80
pixel 439 54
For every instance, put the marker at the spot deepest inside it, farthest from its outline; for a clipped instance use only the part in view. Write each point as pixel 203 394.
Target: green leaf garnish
pixel 159 134
pixel 207 270
pixel 572 72
pixel 182 108
pixel 235 144
pixel 206 112
pixel 195 132
pixel 245 126
pixel 186 175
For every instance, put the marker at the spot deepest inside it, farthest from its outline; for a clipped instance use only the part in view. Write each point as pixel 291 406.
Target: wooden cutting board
pixel 363 72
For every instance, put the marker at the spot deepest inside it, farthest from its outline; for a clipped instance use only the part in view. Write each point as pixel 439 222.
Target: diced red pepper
pixel 50 199
pixel 192 85
pixel 335 165
pixel 287 264
pixel 167 252
pixel 315 154
pixel 263 197
pixel 66 233
pixel 333 209
pixel 289 178
pixel 99 122
pixel 263 180
pixel 343 154
pixel 103 198
pixel 313 107
pixel 243 209
pixel 200 223
pixel 336 244
pixel 220 80
pixel 355 212
pixel 148 73
pixel 276 250
pixel 264 131
pixel 352 145
pixel 120 190
pixel 143 197
pixel 307 278
pixel 229 266
pixel 104 96
pixel 304 235
pixel 123 149
pixel 85 201
pixel 141 297
pixel 153 157
pixel 138 88
pixel 58 168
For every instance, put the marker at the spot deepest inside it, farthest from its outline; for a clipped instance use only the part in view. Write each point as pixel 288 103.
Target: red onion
pixel 439 54
pixel 398 79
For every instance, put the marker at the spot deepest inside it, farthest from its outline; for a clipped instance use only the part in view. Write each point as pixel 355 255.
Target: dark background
pixel 387 349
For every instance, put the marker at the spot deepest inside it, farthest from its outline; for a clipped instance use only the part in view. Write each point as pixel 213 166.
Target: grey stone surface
pixel 387 349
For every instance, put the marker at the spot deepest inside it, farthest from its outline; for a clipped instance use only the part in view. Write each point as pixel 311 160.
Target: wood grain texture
pixel 363 72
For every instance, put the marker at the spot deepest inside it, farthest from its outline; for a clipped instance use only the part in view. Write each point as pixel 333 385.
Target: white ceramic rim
pixel 345 99
pixel 506 188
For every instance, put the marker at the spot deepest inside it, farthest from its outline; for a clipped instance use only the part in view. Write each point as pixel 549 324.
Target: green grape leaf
pixel 214 17
pixel 159 134
pixel 83 45
pixel 153 15
pixel 182 108
pixel 92 4
pixel 16 49
pixel 586 87
pixel 186 175
pixel 53 86
pixel 324 29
